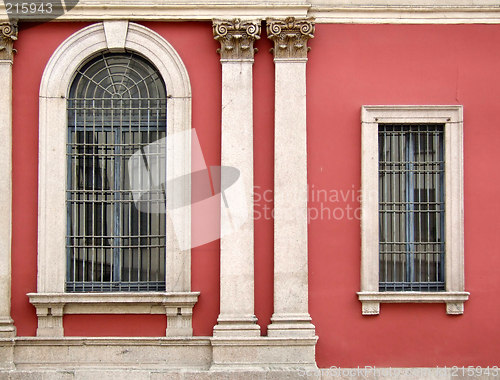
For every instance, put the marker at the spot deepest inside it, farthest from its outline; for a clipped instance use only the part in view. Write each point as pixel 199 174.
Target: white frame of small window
pixel 452 118
pixel 51 299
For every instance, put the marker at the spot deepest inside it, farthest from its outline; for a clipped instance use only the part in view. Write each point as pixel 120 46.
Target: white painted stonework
pixel 136 358
pixel 237 245
pixel 6 324
pixel 291 310
pixel 51 307
pixel 371 300
pixel 8 34
pixel 116 34
pixel 291 315
pixel 237 317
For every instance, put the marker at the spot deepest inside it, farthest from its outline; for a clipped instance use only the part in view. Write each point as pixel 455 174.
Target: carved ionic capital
pixel 290 36
pixel 236 38
pixel 8 34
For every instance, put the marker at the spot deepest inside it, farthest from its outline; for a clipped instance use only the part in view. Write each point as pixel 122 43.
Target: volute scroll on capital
pixel 8 34
pixel 236 38
pixel 290 36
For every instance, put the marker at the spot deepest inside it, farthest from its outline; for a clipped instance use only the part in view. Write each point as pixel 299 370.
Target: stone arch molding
pixel 51 299
pixel 114 36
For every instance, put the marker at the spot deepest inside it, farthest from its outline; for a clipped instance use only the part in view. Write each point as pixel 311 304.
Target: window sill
pixel 177 306
pixel 371 300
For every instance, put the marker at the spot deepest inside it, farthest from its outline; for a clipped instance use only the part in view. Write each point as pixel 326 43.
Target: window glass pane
pixel 411 207
pixel 116 106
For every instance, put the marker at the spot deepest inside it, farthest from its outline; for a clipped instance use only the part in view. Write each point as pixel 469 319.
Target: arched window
pixel 115 241
pixel 109 91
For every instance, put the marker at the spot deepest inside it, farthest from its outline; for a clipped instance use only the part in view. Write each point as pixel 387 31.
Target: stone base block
pixel 291 325
pixel 87 358
pixel 263 353
pixel 6 354
pixel 7 328
pixel 230 326
pixel 73 353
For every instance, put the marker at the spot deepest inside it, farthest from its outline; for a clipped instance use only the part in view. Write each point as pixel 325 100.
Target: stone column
pixel 237 316
pixel 291 314
pixel 8 34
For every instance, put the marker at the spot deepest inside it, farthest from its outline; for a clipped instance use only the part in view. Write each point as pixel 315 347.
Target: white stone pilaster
pixel 8 34
pixel 291 315
pixel 237 316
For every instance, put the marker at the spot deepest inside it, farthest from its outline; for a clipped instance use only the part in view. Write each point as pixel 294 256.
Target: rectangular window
pixel 411 207
pixel 412 223
pixel 113 245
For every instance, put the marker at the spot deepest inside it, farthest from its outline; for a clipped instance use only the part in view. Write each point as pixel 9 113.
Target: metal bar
pixel 147 256
pixel 442 197
pixel 429 185
pixel 411 185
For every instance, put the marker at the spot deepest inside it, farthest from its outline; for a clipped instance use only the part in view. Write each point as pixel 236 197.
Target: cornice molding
pixel 324 11
pixel 8 34
pixel 155 10
pixel 405 14
pixel 236 38
pixel 290 36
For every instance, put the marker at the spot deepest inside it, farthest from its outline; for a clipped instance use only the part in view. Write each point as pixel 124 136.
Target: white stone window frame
pixel 51 300
pixel 451 116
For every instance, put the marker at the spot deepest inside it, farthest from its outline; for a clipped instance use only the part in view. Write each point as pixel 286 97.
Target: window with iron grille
pixel 412 219
pixel 411 207
pixel 116 106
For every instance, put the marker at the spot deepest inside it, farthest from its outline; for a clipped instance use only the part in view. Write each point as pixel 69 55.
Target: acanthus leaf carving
pixel 8 34
pixel 290 36
pixel 236 38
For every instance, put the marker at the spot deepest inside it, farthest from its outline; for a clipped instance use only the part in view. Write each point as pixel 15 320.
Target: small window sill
pixel 371 300
pixel 177 306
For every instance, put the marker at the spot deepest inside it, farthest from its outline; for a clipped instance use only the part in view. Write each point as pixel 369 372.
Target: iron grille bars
pixel 116 106
pixel 411 207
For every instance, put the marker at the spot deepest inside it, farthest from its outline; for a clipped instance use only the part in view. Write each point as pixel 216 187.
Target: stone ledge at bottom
pixel 155 374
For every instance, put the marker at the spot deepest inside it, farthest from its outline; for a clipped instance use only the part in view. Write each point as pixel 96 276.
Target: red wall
pixel 349 66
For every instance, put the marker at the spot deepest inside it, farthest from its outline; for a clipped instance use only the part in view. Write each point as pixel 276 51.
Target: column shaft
pixel 8 33
pixel 290 188
pixel 237 230
pixel 291 315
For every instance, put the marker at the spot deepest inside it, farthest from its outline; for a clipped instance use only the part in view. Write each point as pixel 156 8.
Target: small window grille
pixel 116 106
pixel 411 207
